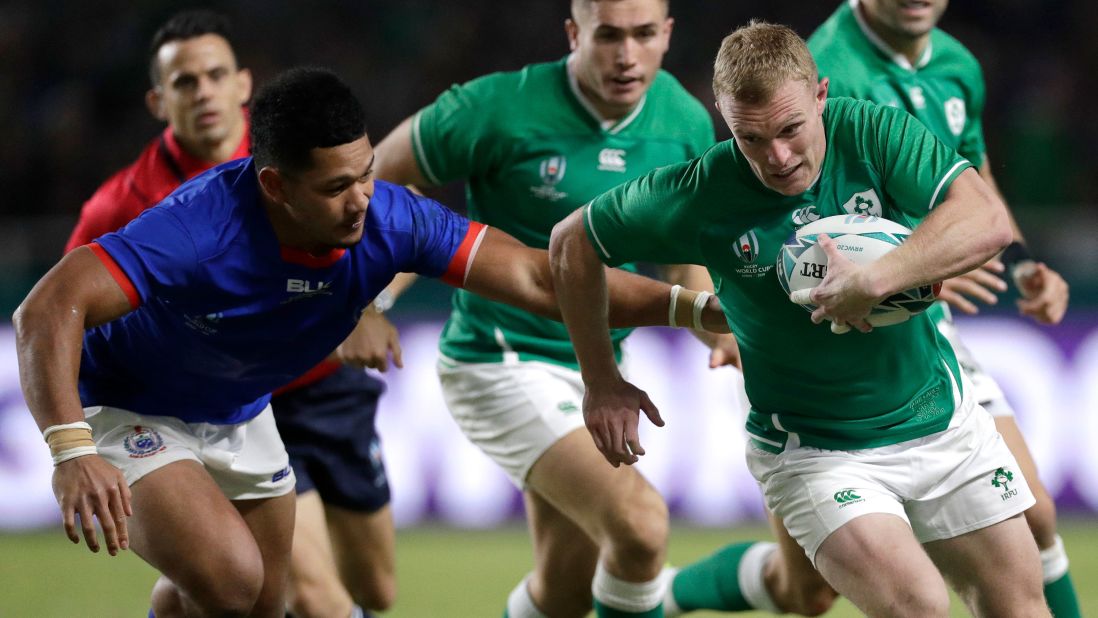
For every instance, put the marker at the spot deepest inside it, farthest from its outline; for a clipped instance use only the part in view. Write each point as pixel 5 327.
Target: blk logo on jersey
pixel 955 115
pixel 612 160
pixel 301 286
pixel 864 203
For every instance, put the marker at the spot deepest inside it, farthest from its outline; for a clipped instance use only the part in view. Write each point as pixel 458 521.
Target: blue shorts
pixel 328 429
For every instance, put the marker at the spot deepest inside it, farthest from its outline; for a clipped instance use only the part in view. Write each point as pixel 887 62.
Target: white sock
pixel 627 596
pixel 357 612
pixel 751 574
pixel 1054 561
pixel 671 608
pixel 520 604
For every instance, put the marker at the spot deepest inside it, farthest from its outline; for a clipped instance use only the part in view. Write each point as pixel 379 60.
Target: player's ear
pixel 571 28
pixel 273 184
pixel 821 94
pixel 244 85
pixel 154 101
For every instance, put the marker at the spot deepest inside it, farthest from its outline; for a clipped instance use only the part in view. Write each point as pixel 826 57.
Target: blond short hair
pixel 758 59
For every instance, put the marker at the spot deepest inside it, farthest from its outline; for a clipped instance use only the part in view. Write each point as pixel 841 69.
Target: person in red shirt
pixel 326 417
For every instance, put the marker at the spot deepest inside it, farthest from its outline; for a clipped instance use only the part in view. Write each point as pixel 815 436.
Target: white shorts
pixel 513 411
pixel 943 485
pixel 986 390
pixel 246 460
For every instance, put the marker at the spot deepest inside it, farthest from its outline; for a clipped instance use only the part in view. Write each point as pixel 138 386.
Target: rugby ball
pixel 863 239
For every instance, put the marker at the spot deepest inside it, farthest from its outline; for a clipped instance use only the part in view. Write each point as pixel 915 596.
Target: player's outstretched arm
pixel 395 162
pixel 508 271
pixel 76 294
pixel 610 404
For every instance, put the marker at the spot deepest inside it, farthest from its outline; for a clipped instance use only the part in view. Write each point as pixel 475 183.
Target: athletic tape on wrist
pixel 699 305
pixel 675 291
pixel 1018 262
pixel 69 441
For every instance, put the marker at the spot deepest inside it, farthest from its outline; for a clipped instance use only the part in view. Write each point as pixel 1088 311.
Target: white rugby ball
pixel 863 239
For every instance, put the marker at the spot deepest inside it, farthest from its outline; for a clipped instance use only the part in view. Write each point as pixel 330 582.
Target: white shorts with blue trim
pixel 247 460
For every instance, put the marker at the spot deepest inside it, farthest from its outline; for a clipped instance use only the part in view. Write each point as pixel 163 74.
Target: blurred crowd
pixel 73 76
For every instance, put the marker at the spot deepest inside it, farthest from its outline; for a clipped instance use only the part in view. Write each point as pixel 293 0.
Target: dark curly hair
pixel 302 109
pixel 187 25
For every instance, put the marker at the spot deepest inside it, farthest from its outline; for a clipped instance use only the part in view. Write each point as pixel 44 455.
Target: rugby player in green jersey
pixel 890 52
pixel 533 145
pixel 870 446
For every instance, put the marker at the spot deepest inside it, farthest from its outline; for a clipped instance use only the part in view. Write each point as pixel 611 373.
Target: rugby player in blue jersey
pixel 147 357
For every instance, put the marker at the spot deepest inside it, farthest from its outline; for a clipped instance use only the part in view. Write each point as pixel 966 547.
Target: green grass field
pixel 443 572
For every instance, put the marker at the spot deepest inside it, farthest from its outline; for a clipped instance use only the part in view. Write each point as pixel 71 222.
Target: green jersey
pixel 836 392
pixel 533 150
pixel 944 90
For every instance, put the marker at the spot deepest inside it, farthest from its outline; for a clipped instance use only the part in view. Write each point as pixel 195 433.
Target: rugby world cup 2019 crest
pixel 143 442
pixel 746 248
pixel 551 171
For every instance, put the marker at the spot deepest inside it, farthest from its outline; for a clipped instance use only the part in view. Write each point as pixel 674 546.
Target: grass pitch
pixel 442 571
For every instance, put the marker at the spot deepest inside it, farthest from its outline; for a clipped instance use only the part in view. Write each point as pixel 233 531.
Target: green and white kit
pixel 532 149
pixel 944 90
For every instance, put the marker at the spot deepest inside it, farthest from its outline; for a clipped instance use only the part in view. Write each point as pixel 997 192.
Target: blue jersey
pixel 224 314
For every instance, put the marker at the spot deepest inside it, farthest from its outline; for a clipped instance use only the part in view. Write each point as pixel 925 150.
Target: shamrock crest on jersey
pixel 864 203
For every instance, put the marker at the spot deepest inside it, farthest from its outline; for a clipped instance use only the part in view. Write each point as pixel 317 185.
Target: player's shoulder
pixel 948 50
pixel 837 33
pixel 504 88
pixel 847 117
pixel 210 204
pixel 668 90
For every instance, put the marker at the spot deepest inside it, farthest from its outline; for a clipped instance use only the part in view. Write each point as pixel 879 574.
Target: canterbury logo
pixel 846 495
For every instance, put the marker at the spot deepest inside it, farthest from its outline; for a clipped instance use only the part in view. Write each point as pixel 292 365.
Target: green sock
pixel 713 582
pixel 1061 598
pixel 602 611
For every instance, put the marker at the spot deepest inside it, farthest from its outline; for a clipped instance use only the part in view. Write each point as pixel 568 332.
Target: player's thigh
pixel 876 562
pixel 996 570
pixel 513 412
pixel 178 508
pixel 603 501
pixel 312 560
pixel 271 521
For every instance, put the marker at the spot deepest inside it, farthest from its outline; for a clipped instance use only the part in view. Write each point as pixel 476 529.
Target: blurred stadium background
pixel 72 80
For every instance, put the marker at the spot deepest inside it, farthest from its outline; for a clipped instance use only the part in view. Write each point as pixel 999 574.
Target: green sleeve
pixel 916 168
pixel 972 138
pixel 647 219
pixel 451 138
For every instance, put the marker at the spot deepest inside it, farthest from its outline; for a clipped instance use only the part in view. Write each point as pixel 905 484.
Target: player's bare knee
pixel 232 590
pixel 639 532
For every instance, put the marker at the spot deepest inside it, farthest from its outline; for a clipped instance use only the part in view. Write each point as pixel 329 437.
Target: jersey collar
pixel 610 126
pixel 879 43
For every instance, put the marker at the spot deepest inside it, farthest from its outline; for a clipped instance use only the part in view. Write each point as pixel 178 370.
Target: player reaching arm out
pixel 49 344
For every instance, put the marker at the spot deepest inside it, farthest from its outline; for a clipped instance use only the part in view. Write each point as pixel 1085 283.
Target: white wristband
pixel 55 428
pixel 73 453
pixel 675 290
pixel 699 304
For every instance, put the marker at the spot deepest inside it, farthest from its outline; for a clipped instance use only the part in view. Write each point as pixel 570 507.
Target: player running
pixel 870 447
